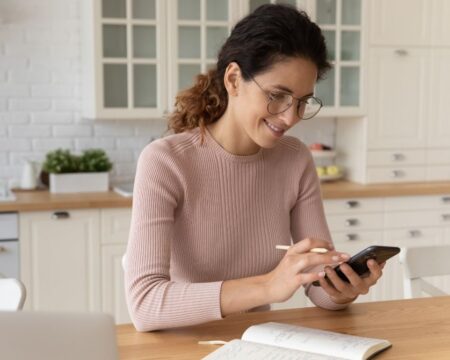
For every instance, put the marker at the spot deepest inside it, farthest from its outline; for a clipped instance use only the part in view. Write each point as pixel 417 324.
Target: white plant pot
pixel 79 182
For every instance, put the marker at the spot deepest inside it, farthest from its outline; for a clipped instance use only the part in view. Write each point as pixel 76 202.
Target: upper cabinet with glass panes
pixel 341 23
pixel 139 53
pixel 197 30
pixel 124 64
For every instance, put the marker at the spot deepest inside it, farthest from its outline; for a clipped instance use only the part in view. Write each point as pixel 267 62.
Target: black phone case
pixel 358 262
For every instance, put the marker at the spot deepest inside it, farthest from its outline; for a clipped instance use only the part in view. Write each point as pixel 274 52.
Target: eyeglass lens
pixel 306 109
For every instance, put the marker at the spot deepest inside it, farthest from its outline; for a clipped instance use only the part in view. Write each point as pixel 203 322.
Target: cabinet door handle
pixel 351 222
pixel 57 215
pixel 351 204
pixel 446 217
pixel 397 173
pixel 446 199
pixel 2 249
pixel 401 52
pixel 398 157
pixel 415 233
pixel 352 237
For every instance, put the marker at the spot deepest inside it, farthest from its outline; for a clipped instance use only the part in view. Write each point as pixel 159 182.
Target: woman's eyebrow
pixel 286 89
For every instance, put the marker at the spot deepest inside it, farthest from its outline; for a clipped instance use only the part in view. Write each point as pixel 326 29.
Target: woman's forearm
pixel 243 294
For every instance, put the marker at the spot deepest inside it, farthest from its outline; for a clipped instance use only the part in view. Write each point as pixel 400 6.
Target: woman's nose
pixel 290 116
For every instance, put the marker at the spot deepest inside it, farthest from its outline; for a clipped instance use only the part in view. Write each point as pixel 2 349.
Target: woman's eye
pixel 277 96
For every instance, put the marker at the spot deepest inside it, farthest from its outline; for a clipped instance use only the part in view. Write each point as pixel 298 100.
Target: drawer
pixel 352 222
pixel 414 219
pixel 350 206
pixel 436 173
pixel 438 157
pixel 396 174
pixel 412 236
pixel 396 157
pixel 8 226
pixel 9 259
pixel 115 225
pixel 353 237
pixel 417 202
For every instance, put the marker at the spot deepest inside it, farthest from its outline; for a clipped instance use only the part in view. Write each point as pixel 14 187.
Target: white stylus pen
pixel 313 250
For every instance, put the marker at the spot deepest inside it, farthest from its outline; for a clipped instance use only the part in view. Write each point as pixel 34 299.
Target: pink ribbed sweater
pixel 202 215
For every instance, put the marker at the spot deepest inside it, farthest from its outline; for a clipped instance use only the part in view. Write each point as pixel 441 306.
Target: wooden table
pixel 418 329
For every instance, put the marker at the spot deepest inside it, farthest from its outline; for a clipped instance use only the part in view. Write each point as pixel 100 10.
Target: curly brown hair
pixel 267 35
pixel 200 105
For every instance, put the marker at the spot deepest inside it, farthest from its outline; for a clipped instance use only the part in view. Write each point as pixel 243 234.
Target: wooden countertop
pixel 43 200
pixel 346 189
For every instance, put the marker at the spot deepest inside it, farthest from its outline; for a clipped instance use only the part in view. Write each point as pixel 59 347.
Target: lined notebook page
pixel 311 340
pixel 244 350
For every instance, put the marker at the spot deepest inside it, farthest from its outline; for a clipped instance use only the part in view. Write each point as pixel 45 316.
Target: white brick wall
pixel 40 103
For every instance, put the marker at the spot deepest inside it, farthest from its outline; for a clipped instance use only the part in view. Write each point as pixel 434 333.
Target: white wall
pixel 40 100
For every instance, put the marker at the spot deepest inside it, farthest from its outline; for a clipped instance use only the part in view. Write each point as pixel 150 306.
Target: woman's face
pixel 295 76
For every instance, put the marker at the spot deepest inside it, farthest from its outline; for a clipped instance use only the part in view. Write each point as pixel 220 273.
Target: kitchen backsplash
pixel 40 100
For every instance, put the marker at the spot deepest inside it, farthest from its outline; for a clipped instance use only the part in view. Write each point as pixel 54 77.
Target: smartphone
pixel 358 262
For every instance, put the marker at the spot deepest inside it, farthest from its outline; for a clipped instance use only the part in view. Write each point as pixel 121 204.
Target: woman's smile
pixel 278 132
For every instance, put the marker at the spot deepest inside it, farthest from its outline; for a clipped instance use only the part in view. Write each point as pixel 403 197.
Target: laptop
pixel 56 336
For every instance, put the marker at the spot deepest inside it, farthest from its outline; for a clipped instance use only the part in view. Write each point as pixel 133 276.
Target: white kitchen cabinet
pixel 124 60
pixel 343 26
pixel 113 288
pixel 440 26
pixel 398 103
pixel 438 123
pixel 60 260
pixel 406 221
pixel 400 22
pixel 138 54
pixel 115 227
pixel 197 29
pixel 408 99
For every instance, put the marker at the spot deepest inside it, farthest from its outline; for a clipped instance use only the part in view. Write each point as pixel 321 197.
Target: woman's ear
pixel 232 79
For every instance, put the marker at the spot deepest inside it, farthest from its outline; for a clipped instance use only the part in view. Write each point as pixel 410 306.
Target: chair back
pixel 424 261
pixel 12 294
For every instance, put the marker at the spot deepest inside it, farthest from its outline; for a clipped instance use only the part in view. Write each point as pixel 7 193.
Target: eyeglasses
pixel 307 107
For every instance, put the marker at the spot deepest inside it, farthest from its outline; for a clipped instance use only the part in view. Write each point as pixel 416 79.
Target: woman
pixel 212 200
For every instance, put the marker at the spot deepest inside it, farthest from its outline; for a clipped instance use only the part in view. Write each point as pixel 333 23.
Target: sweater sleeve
pixel 154 301
pixel 308 221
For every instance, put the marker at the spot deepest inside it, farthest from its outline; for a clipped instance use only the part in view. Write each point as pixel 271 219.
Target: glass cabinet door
pixel 198 28
pixel 341 24
pixel 130 59
pixel 340 21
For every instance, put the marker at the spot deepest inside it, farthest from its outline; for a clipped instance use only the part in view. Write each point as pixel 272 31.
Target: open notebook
pixel 288 342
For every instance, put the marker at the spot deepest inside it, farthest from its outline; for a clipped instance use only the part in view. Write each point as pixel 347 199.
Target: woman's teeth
pixel 273 127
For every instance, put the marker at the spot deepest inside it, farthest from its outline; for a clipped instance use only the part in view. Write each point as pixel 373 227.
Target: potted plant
pixel 69 173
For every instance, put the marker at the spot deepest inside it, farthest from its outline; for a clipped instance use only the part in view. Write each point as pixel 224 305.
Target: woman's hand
pixel 342 292
pixel 291 272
